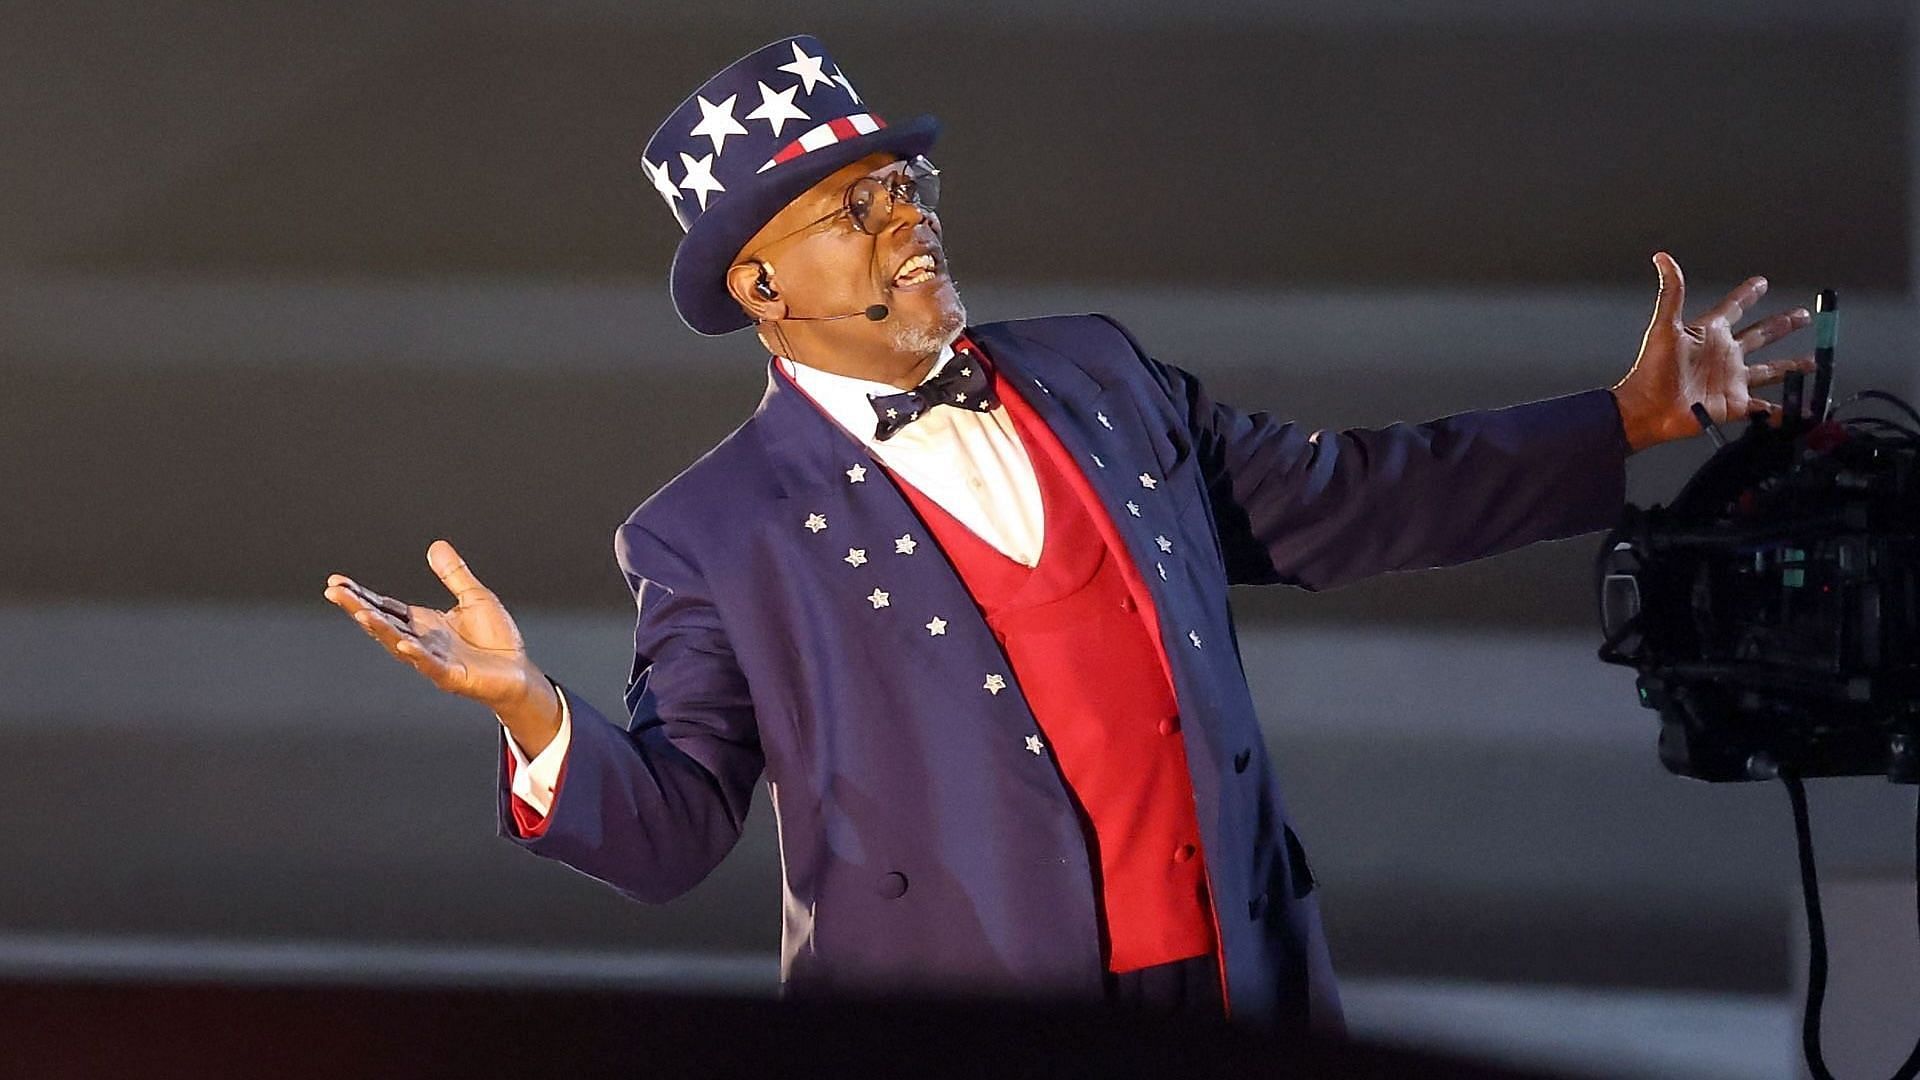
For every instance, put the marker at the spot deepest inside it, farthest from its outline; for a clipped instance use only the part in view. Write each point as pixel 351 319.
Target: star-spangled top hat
pixel 769 126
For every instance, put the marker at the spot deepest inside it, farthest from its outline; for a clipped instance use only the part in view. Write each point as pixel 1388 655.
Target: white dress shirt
pixel 971 464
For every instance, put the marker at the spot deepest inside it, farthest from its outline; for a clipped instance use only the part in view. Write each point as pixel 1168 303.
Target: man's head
pixel 862 236
pixel 765 147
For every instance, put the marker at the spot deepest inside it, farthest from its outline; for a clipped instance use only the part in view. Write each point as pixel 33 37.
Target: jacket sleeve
pixel 1320 509
pixel 652 806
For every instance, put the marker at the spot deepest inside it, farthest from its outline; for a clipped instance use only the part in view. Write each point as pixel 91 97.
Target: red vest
pixel 1080 633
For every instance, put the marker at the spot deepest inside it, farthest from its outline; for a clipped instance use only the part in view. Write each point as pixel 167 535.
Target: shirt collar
pixel 846 399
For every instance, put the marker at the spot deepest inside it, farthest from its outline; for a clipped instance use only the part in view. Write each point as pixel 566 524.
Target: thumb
pixel 1673 290
pixel 453 571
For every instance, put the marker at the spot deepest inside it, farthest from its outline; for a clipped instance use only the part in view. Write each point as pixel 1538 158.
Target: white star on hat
pixel 994 684
pixel 1034 744
pixel 904 545
pixel 808 68
pixel 717 122
pixel 699 178
pixel 842 80
pixel 776 107
pixel 662 183
pixel 937 627
pixel 878 599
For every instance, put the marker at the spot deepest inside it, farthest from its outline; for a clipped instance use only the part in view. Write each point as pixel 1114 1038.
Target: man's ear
pixel 741 281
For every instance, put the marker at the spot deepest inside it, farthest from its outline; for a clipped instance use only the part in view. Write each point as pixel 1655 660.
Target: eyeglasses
pixel 869 201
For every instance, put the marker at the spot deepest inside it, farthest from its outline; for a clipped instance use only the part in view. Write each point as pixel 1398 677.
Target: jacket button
pixel 1183 853
pixel 1257 907
pixel 1169 725
pixel 893 885
pixel 1126 603
pixel 1240 760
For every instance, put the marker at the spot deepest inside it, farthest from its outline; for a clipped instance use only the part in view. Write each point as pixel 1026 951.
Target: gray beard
pixel 928 340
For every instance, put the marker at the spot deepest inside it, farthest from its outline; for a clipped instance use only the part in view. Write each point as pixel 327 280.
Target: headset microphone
pixel 876 312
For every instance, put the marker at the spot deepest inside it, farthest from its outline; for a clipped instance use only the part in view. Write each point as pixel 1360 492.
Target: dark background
pixel 294 288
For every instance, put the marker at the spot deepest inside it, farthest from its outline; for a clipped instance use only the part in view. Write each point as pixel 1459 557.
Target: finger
pixel 1759 335
pixel 453 571
pixel 387 604
pixel 347 600
pixel 383 628
pixel 401 626
pixel 1673 290
pixel 355 602
pixel 443 671
pixel 1733 307
pixel 1774 371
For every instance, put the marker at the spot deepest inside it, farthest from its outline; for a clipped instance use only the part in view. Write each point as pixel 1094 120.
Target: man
pixel 961 593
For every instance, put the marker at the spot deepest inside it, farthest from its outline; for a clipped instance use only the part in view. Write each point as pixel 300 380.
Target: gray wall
pixel 294 288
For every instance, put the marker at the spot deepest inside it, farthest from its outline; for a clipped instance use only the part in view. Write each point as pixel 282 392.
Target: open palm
pixel 1703 361
pixel 472 649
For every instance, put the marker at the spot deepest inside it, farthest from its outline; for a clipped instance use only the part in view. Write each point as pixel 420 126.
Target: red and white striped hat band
pixel 833 131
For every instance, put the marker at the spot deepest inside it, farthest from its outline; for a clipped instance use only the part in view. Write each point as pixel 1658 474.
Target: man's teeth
pixel 914 270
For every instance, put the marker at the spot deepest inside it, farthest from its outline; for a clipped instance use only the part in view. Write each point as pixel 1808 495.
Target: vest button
pixel 1126 603
pixel 1169 725
pixel 893 885
pixel 1240 760
pixel 1183 853
pixel 1257 907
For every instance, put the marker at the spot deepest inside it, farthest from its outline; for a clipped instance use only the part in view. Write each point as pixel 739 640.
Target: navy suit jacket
pixel 923 847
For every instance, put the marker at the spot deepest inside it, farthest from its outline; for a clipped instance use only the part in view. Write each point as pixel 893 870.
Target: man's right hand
pixel 473 649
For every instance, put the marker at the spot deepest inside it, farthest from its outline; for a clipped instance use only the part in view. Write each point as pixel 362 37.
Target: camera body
pixel 1773 609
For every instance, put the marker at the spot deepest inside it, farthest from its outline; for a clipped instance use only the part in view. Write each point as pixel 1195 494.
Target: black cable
pixel 1817 934
pixel 1879 395
pixel 1882 395
pixel 1884 423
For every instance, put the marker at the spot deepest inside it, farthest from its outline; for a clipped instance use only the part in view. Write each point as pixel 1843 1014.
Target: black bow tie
pixel 962 383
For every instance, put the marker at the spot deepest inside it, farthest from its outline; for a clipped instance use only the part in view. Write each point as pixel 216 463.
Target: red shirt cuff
pixel 527 821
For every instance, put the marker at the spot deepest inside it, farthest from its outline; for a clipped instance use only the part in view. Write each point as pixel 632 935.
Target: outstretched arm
pixel 652 806
pixel 1319 509
pixel 649 807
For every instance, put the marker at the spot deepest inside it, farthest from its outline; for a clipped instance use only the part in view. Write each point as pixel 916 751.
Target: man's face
pixel 832 267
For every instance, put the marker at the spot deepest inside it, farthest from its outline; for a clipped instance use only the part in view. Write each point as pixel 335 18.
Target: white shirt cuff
pixel 533 781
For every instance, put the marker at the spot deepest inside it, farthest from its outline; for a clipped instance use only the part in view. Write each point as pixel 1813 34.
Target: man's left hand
pixel 1704 360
